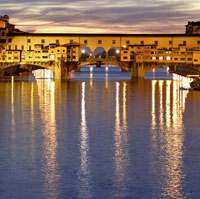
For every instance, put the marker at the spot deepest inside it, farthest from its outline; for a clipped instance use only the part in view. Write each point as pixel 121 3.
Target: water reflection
pixel 168 135
pixel 84 148
pixel 46 94
pixel 121 141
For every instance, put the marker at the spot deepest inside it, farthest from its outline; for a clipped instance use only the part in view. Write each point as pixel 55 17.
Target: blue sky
pixel 103 16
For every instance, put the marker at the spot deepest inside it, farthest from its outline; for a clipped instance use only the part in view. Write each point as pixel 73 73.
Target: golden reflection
pixel 171 120
pixel 46 92
pixel 153 114
pixel 160 86
pixel 84 148
pixel 121 140
pixel 106 80
pixel 168 104
pixel 124 107
pixel 13 123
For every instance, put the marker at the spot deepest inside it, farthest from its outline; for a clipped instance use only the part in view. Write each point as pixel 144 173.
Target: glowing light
pixel 107 68
pixel 91 69
pixel 168 58
pixel 52 56
pixel 161 58
pixel 117 51
pixel 153 58
pixel 124 46
pixel 83 51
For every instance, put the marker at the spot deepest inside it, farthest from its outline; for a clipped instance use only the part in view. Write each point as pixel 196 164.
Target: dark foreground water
pixel 99 139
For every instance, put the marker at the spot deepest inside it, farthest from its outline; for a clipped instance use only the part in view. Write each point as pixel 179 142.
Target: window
pixel 58 51
pixel 127 42
pixel 42 41
pixel 170 42
pixel 15 47
pixel 57 41
pixel 74 57
pixel 142 42
pixel 113 41
pixel 198 42
pixel 9 40
pixel 125 57
pixel 99 41
pixel 184 43
pixel 175 59
pixel 156 42
pixel 85 42
pixel 22 47
pixel 182 59
pixel 9 47
pixel 29 40
pixel 196 60
pixel 71 41
pixel 29 47
pixel 189 59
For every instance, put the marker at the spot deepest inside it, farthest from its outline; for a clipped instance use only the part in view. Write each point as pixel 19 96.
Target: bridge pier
pixel 138 70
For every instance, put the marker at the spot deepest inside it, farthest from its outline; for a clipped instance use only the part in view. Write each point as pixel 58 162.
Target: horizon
pixel 86 16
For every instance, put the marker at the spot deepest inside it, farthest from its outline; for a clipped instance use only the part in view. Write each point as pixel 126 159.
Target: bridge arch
pixel 18 69
pixel 100 52
pixel 114 52
pixel 85 53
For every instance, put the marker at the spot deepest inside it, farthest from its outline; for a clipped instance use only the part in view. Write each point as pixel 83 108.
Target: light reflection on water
pixel 46 100
pixel 56 137
pixel 169 141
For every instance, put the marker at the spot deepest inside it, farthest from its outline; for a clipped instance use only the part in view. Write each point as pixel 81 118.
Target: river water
pixel 99 139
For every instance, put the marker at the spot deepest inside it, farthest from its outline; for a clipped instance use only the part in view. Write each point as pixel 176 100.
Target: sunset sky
pixel 103 16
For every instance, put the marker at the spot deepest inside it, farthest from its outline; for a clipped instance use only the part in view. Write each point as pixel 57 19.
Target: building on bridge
pixel 66 50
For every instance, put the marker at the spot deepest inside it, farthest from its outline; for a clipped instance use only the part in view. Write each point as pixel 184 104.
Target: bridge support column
pixel 57 72
pixel 134 70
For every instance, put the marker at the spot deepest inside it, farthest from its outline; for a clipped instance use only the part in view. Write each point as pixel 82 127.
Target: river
pixel 99 139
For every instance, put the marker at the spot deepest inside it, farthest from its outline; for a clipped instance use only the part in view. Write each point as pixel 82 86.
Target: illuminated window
pixel 161 58
pixel 168 58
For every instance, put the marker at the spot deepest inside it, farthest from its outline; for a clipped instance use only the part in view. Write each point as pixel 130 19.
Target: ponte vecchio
pixel 62 53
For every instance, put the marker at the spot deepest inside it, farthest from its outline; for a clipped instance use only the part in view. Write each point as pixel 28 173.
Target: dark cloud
pixel 101 16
